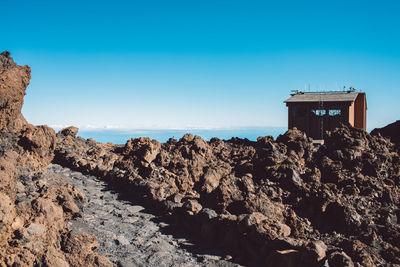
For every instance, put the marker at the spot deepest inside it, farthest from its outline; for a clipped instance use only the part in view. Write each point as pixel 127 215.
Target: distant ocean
pixel 117 136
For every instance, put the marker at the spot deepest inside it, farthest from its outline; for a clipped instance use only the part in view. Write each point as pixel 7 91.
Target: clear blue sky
pixel 160 64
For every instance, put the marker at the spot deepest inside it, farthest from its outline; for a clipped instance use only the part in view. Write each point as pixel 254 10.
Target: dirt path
pixel 126 233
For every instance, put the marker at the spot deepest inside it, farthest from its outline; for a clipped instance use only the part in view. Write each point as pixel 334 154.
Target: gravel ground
pixel 128 234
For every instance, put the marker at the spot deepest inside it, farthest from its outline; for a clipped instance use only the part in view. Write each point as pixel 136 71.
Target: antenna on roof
pixel 295 92
pixel 351 89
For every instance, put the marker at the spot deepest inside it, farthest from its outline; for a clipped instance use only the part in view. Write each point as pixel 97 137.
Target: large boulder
pixel 38 145
pixel 69 131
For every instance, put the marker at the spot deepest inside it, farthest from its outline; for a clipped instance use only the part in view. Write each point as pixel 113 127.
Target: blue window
pixel 335 112
pixel 319 112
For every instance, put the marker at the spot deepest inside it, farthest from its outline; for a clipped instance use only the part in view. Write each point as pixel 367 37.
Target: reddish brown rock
pixel 34 206
pixel 69 131
pixel 79 251
pixel 267 195
pixel 391 131
pixel 13 82
pixel 192 206
pixel 315 252
pixel 38 143
pixel 341 259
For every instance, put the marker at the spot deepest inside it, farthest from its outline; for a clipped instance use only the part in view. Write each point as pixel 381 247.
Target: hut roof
pixel 324 97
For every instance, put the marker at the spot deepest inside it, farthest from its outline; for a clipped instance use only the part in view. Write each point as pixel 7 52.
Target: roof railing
pixel 345 90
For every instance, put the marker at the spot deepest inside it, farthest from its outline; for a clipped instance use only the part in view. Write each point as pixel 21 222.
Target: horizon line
pixel 188 128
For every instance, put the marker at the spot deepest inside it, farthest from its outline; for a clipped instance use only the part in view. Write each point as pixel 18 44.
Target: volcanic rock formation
pixel 284 202
pixel 390 131
pixel 34 206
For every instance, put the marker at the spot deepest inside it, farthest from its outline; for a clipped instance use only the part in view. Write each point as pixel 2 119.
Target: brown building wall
pixel 360 113
pixel 300 115
pixel 351 114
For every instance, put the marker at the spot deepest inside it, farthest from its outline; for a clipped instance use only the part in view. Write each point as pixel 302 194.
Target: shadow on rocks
pixel 191 241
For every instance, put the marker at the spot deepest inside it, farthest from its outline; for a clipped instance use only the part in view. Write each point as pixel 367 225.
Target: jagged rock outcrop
pixel 391 131
pixel 284 202
pixel 13 81
pixel 34 205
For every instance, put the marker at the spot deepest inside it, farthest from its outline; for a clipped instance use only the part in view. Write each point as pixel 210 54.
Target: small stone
pixel 35 229
pixel 340 259
pixel 193 206
pixel 209 213
pixel 315 251
pixel 228 257
pixel 134 209
pixel 131 220
pixel 18 223
pixel 121 240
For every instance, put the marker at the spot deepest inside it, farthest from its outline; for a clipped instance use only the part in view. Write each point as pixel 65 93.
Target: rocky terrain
pixel 126 233
pixel 283 202
pixel 34 205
